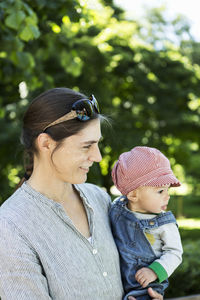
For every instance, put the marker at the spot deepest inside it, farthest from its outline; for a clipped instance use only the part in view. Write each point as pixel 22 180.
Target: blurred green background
pixel 146 83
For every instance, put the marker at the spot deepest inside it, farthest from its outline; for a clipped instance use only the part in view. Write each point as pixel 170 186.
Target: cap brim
pixel 167 179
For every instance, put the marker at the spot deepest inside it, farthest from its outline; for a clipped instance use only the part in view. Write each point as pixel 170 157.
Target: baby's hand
pixel 144 276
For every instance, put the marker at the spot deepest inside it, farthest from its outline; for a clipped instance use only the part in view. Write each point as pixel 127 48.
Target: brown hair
pixel 43 110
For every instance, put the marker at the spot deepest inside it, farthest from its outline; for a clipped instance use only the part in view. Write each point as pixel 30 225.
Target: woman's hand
pixel 154 295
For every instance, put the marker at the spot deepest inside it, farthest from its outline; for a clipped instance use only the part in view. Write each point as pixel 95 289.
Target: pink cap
pixel 142 166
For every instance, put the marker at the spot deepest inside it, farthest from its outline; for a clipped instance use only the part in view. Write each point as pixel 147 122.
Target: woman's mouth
pixel 85 169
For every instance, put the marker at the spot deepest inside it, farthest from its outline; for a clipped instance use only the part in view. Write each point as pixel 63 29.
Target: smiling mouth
pixel 85 169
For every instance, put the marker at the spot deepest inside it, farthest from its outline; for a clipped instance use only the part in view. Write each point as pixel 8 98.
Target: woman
pixel 55 236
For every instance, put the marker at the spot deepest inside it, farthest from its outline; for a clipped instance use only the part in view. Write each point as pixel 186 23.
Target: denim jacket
pixel 134 247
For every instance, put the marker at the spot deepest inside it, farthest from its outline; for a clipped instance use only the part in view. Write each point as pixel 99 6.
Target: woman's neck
pixel 50 187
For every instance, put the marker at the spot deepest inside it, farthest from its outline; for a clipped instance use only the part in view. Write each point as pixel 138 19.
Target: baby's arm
pixel 144 276
pixel 171 257
pixel 172 251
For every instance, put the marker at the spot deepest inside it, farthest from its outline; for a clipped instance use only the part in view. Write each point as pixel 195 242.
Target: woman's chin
pixel 82 179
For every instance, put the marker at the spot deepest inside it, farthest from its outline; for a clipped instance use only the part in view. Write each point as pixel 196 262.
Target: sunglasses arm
pixel 69 116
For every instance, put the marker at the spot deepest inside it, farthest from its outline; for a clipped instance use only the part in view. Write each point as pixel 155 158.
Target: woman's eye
pixel 87 147
pixel 160 192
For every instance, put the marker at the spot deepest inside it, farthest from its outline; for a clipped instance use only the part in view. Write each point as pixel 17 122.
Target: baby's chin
pixel 164 207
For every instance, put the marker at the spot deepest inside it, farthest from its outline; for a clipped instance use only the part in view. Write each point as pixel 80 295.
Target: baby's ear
pixel 132 196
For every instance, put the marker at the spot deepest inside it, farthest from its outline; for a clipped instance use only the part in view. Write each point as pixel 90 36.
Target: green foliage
pixel 22 19
pixel 190 234
pixel 152 93
pixel 185 280
pixel 185 206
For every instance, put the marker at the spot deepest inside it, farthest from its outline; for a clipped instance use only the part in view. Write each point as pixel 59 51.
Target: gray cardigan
pixel 43 256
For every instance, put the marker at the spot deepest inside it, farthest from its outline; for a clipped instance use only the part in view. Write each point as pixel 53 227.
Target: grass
pixel 184 281
pixel 188 223
pixel 189 229
pixel 185 206
pixel 187 211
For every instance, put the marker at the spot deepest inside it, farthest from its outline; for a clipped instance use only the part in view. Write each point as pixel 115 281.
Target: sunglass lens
pixel 83 109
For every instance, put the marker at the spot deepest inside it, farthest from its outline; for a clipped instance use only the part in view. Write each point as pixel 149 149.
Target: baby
pixel 147 237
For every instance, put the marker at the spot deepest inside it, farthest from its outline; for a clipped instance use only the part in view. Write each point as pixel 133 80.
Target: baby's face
pixel 152 199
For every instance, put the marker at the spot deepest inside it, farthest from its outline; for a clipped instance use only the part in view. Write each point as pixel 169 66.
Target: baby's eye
pixel 160 191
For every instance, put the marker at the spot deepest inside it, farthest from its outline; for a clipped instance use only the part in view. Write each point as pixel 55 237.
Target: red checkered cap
pixel 142 166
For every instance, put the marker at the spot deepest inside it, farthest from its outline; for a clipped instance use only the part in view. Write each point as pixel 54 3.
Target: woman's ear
pixel 133 196
pixel 45 143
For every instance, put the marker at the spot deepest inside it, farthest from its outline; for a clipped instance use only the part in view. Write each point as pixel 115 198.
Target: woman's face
pixel 72 160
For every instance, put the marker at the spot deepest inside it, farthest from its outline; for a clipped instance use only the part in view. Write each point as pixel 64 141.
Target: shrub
pixel 185 280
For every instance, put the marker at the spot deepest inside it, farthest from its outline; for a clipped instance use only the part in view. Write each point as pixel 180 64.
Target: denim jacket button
pixel 151 223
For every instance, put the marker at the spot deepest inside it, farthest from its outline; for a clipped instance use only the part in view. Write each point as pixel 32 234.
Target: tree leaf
pixel 29 32
pixel 15 19
pixel 26 34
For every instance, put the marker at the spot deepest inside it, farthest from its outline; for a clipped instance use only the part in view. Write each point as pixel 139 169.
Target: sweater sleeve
pixel 171 252
pixel 21 274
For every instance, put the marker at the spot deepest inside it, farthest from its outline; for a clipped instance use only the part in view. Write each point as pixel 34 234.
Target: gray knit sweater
pixel 43 256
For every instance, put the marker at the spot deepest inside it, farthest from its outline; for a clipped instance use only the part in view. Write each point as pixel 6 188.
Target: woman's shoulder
pixel 12 202
pixel 9 212
pixel 18 208
pixel 92 188
pixel 94 193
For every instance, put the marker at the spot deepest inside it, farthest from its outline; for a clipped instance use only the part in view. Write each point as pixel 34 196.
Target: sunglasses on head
pixel 83 110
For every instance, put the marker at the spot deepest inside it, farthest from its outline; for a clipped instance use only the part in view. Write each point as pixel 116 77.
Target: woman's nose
pixel 95 155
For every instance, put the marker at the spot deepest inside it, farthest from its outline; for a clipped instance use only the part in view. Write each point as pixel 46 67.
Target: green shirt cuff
pixel 159 270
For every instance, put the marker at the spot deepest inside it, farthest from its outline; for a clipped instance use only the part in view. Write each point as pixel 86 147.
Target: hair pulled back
pixel 43 110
